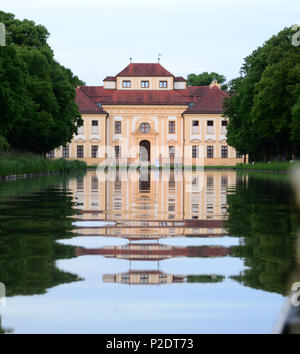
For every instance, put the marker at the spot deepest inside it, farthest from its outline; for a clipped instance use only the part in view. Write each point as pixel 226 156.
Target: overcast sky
pixel 96 38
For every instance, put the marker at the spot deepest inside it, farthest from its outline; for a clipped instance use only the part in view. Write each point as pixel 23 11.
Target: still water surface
pixel 163 252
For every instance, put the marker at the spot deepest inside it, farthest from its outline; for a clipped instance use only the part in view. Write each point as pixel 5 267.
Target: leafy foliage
pixel 38 110
pixel 205 79
pixel 264 107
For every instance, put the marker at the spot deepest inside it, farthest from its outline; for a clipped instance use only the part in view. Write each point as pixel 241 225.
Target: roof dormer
pixel 179 83
pixel 110 82
pixel 144 76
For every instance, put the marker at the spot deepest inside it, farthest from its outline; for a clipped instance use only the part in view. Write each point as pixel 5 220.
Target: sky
pixel 96 38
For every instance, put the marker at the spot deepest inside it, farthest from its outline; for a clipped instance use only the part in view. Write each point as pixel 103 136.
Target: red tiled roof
pixel 133 97
pixel 205 99
pixel 144 69
pixel 211 103
pixel 193 93
pixel 179 79
pixel 86 105
pixel 110 78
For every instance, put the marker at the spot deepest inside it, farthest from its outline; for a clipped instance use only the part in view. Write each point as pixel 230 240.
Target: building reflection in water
pixel 144 207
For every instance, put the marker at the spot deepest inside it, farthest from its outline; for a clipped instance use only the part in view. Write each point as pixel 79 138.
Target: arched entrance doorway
pixel 145 151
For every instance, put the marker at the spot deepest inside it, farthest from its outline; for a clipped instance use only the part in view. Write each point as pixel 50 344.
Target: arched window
pixel 144 127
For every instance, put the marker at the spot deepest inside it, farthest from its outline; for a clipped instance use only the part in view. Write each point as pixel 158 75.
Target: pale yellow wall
pixel 136 82
pixel 109 84
pixel 87 138
pixel 180 85
pixel 204 138
pixel 158 117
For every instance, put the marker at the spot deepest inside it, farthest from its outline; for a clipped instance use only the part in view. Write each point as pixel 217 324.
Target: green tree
pixel 262 110
pixel 205 78
pixel 37 93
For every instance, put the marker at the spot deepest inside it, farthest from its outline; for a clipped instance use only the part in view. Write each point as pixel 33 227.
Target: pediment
pixel 95 140
pixel 80 140
pixel 210 140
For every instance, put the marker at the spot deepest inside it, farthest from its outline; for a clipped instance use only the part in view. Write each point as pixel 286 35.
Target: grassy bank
pixel 20 164
pixel 258 166
pixel 265 166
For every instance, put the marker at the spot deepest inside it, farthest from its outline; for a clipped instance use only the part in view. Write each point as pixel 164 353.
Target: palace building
pixel 146 114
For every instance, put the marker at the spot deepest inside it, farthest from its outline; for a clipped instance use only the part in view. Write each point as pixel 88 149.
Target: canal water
pixel 146 252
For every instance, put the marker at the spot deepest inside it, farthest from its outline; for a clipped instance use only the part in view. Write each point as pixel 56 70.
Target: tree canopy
pixel 264 107
pixel 38 111
pixel 205 79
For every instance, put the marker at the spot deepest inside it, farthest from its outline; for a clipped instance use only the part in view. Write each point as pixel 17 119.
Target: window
pixel 210 152
pixel 163 84
pixel 209 181
pixel 144 278
pixel 65 152
pixel 51 154
pixel 118 127
pixel 172 152
pixel 162 278
pixel 144 127
pixel 239 155
pixel 171 127
pixel 80 130
pixel 118 151
pixel 195 151
pixel 224 181
pixel 80 151
pixel 172 181
pixel 210 126
pixel 171 207
pixel 224 152
pixel 94 184
pixel 94 126
pixel 94 151
pixel 79 183
pixel 195 126
pixel 224 127
pixel 125 278
pixel 145 84
pixel 126 83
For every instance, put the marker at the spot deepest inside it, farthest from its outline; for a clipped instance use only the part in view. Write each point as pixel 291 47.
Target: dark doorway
pixel 145 151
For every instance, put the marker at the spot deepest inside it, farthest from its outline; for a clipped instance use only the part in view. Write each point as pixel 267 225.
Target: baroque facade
pixel 146 114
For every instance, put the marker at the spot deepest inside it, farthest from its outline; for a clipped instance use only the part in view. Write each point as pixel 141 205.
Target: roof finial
pixel 130 60
pixel 159 55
